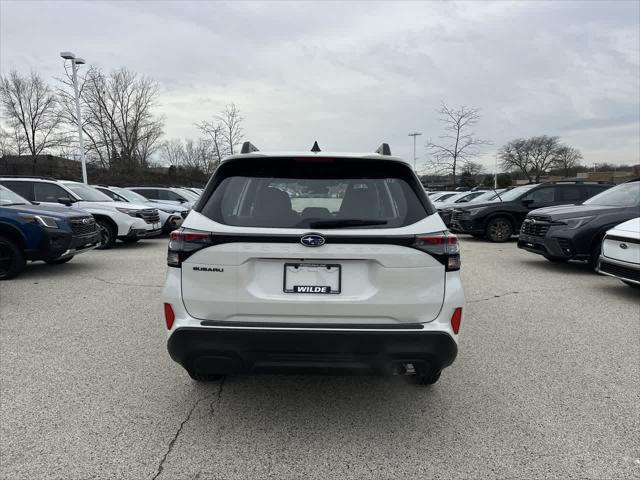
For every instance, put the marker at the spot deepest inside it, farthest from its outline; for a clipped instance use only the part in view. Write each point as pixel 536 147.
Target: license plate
pixel 312 278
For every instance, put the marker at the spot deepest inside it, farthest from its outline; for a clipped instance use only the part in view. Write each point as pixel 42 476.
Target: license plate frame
pixel 312 289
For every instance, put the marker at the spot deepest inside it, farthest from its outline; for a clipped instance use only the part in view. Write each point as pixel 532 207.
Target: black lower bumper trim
pixel 210 351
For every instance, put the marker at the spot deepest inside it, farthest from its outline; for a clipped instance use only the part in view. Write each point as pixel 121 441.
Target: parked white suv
pixel 313 261
pixel 127 223
pixel 171 216
pixel 169 195
pixel 620 255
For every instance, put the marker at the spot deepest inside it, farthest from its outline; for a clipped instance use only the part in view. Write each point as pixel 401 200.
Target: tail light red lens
pixel 456 319
pixel 169 316
pixel 184 243
pixel 443 247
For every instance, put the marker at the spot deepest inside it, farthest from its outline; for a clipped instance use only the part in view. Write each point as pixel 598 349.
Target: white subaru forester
pixel 313 262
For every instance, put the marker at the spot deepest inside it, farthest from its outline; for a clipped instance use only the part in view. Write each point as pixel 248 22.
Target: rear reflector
pixel 169 316
pixel 456 319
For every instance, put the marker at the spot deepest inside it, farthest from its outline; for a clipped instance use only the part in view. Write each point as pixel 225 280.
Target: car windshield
pixel 187 194
pixel 516 192
pixel 9 197
pixel 446 196
pixel 87 193
pixel 625 195
pixel 297 194
pixel 130 195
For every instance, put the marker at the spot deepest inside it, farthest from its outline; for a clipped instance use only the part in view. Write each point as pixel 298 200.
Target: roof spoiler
pixel 384 149
pixel 248 147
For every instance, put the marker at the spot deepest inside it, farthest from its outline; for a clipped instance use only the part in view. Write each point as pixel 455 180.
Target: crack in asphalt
pixel 516 292
pixel 494 297
pixel 123 284
pixel 216 399
pixel 173 440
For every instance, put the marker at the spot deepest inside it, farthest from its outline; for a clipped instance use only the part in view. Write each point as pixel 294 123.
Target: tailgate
pixel 245 282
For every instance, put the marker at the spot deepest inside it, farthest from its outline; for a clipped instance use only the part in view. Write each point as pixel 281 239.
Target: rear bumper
pixel 236 350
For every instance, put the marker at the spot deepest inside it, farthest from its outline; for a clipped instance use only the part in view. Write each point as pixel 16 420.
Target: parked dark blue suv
pixel 36 232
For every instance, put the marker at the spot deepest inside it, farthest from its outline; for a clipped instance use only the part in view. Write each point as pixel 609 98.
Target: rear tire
pixel 428 379
pixel 59 261
pixel 499 229
pixel 107 234
pixel 204 377
pixel 12 260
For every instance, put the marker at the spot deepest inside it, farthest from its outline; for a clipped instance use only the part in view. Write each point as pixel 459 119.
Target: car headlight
pixel 577 222
pixel 474 211
pixel 127 211
pixel 41 220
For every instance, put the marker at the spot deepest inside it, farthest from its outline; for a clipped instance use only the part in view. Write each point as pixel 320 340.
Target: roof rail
pixel 579 181
pixel 384 149
pixel 248 147
pixel 40 177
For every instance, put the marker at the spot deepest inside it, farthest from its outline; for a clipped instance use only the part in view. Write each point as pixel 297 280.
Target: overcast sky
pixel 352 75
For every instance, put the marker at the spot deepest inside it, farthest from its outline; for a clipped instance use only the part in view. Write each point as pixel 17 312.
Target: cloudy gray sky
pixel 354 74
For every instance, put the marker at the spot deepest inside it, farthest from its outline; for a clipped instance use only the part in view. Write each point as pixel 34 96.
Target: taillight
pixel 443 247
pixel 169 316
pixel 456 318
pixel 184 243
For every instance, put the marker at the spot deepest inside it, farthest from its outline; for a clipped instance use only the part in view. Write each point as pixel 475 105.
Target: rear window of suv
pixel 315 193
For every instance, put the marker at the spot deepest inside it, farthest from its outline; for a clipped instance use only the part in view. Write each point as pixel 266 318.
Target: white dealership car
pixel 171 216
pixel 620 255
pixel 126 223
pixel 312 261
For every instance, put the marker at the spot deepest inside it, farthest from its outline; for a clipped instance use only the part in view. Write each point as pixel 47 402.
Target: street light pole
pixel 74 68
pixel 414 135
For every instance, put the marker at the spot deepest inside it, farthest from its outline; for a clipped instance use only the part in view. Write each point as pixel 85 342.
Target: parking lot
pixel 546 385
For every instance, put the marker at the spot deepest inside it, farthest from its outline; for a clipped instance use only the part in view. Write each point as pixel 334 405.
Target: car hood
pixel 49 210
pixel 569 211
pixel 167 207
pixel 113 205
pixel 470 205
pixel 631 226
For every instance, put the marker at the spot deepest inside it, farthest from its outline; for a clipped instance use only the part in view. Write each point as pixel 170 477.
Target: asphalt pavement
pixel 546 385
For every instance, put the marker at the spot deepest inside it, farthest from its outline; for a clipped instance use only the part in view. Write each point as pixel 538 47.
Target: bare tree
pixel 567 158
pixel 118 118
pixel 459 143
pixel 30 109
pixel 472 168
pixel 532 156
pixel 515 156
pixel 224 132
pixel 172 153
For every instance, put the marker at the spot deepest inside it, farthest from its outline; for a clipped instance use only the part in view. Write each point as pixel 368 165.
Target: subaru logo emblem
pixel 624 246
pixel 312 240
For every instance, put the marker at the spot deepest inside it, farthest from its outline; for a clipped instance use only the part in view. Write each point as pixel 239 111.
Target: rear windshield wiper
pixel 347 222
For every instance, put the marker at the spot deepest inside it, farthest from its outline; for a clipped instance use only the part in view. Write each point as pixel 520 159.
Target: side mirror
pixel 527 202
pixel 182 200
pixel 65 201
